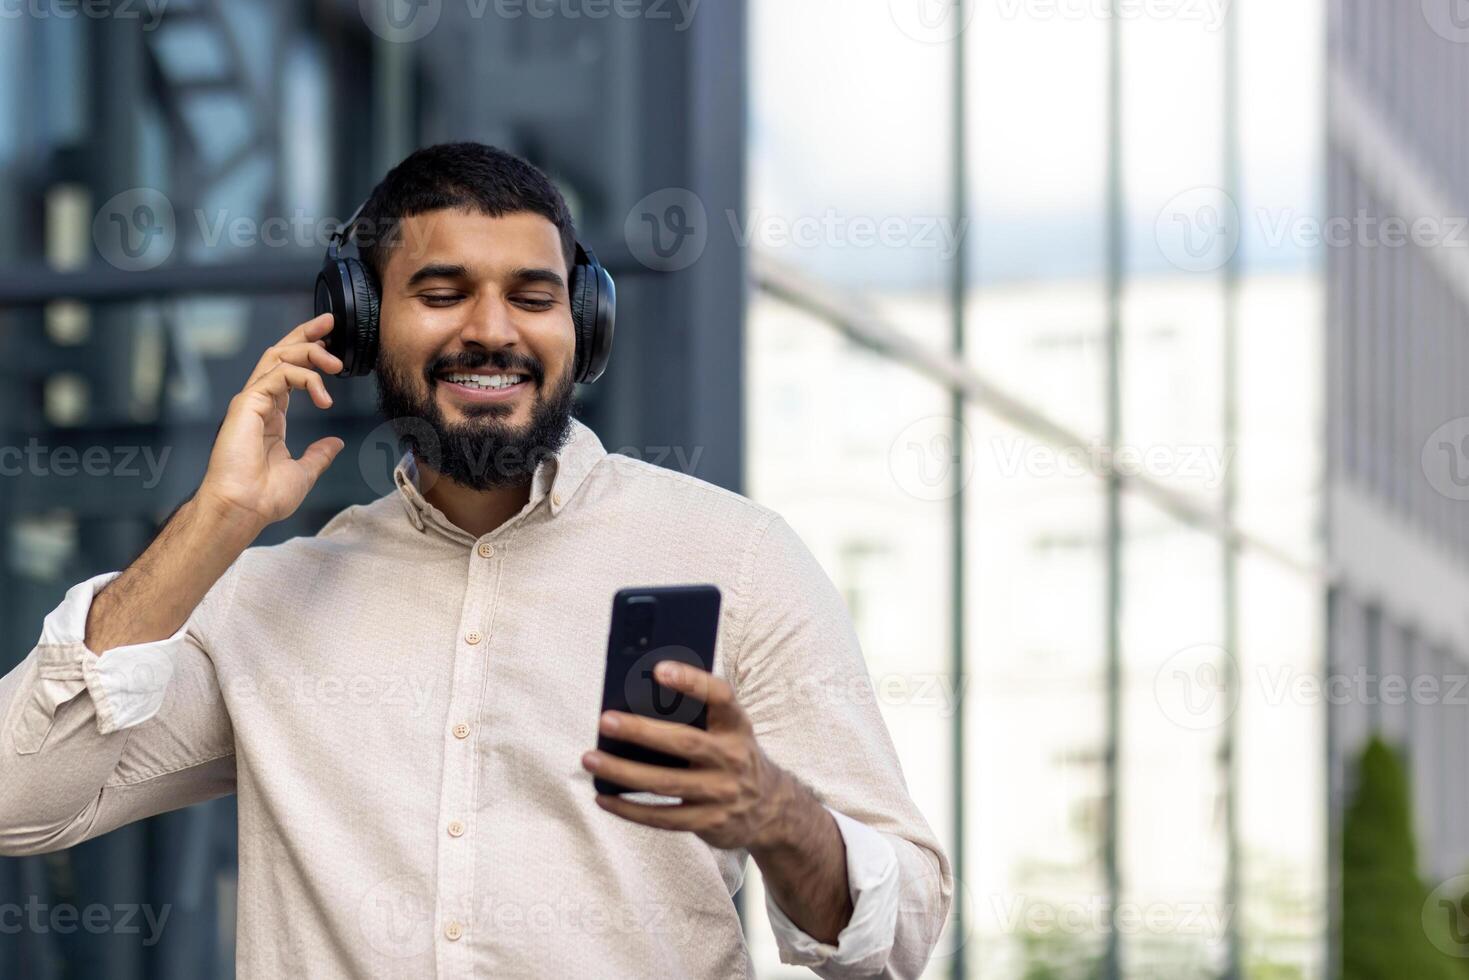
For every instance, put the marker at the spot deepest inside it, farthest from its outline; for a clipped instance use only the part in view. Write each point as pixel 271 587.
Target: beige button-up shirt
pixel 402 709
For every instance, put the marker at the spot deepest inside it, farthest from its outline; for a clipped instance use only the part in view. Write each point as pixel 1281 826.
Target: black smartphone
pixel 649 625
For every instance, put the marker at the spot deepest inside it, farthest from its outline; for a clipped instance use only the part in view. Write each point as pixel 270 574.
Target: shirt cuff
pixel 865 944
pixel 127 684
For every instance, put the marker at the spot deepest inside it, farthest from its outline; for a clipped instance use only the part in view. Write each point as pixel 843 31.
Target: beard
pixel 483 452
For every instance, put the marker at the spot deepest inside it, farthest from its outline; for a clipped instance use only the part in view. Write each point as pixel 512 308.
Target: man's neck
pixel 475 511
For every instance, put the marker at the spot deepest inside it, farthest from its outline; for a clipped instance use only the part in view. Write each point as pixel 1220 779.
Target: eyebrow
pixel 438 270
pixel 442 270
pixel 548 276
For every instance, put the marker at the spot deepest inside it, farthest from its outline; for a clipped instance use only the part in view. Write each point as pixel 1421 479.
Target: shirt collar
pixel 557 477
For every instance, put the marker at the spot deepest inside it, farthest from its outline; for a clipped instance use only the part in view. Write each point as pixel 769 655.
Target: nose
pixel 490 324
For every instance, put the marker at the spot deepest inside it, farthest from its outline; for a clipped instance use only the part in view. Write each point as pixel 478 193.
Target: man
pixel 407 702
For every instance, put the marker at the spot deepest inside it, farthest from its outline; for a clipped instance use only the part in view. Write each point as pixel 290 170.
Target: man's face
pixel 476 341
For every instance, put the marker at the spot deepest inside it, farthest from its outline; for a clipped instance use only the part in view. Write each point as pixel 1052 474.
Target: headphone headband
pixel 341 235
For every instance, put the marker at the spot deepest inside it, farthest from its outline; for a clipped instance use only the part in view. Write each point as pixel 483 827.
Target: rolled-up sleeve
pixel 863 945
pixel 800 675
pixel 126 686
pixel 89 743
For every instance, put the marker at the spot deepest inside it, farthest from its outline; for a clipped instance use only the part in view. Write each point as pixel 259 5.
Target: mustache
pixel 472 360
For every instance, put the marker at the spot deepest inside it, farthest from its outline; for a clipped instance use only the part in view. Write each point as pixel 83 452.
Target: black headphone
pixel 347 289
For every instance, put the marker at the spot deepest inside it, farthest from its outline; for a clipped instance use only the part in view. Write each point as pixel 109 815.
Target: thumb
pixel 319 455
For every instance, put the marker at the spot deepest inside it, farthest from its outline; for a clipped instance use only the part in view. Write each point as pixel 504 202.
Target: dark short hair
pixel 471 176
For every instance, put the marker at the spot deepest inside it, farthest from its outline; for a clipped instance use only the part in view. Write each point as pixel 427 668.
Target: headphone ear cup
pixel 333 296
pixel 582 311
pixel 593 315
pixel 346 289
pixel 365 324
pixel 602 313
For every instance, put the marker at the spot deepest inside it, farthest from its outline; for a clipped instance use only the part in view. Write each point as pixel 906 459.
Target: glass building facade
pixel 1086 256
pixel 1036 321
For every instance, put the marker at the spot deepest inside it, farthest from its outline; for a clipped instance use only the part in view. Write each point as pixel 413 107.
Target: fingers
pixel 698 785
pixel 305 353
pixel 319 455
pixel 280 379
pixel 716 692
pixel 672 737
pixel 690 817
pixel 313 329
pixel 694 682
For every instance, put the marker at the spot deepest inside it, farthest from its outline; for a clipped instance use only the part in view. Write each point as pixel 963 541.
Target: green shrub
pixel 1385 934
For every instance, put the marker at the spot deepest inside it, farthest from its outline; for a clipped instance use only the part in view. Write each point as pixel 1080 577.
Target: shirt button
pixel 556 499
pixel 486 550
pixel 453 930
pixel 461 730
pixel 473 637
pixel 456 829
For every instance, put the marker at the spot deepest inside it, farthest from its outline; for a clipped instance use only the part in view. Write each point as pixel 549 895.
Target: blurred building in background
pixel 170 173
pixel 1397 433
pixel 1137 467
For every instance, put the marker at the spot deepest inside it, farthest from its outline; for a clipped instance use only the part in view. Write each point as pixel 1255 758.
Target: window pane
pixel 849 155
pixel 1177 692
pixel 852 450
pixel 1035 709
pixel 1036 108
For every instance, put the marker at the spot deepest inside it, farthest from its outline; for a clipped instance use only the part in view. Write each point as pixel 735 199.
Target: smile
pixel 486 380
pixel 471 387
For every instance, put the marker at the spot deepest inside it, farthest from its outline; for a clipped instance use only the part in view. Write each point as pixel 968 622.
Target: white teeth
pixel 486 380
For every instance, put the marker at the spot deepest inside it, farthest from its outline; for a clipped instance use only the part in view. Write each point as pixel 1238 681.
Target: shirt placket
pixel 456 830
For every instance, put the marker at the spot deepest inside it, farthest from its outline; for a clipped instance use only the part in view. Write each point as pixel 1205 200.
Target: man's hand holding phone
pixel 733 796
